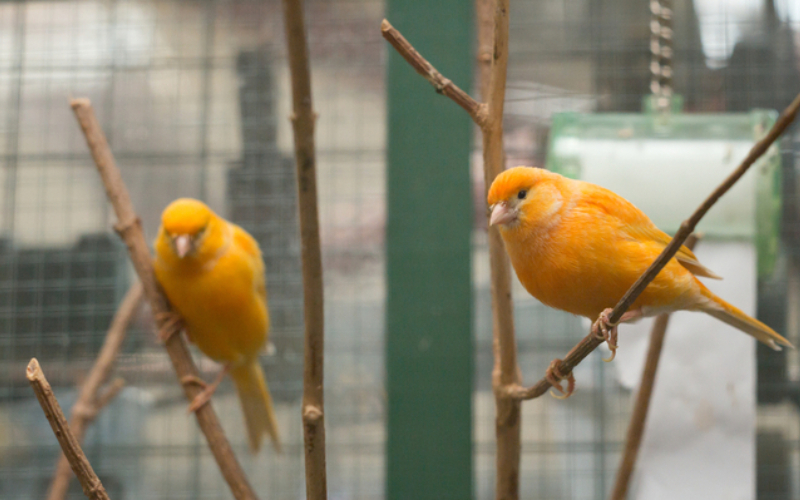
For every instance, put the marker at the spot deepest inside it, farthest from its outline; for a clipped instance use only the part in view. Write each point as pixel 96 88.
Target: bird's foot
pixel 604 330
pixel 204 396
pixel 171 324
pixel 554 376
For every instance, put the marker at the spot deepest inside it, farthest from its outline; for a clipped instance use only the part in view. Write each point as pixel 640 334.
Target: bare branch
pixel 590 342
pixel 92 487
pixel 130 230
pixel 88 404
pixel 442 85
pixel 640 408
pixel 493 42
pixel 303 119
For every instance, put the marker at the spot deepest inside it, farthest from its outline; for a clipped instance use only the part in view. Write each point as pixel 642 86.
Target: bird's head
pixel 523 196
pixel 186 225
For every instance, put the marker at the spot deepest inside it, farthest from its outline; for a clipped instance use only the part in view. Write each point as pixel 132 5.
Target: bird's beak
pixel 502 214
pixel 183 245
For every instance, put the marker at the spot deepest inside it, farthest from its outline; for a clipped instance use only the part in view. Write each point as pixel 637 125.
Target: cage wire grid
pixel 194 99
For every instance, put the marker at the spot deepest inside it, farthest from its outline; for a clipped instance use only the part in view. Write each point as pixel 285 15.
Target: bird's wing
pixel 248 245
pixel 639 227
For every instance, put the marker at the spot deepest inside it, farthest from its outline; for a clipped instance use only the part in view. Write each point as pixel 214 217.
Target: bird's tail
pixel 733 316
pixel 259 413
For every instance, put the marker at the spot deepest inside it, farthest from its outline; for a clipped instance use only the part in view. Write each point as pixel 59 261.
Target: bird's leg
pixel 172 325
pixel 554 376
pixel 204 396
pixel 603 329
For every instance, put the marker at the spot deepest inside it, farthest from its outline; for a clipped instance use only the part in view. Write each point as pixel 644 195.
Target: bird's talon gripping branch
pixel 604 330
pixel 554 376
pixel 171 324
pixel 204 396
pixel 191 379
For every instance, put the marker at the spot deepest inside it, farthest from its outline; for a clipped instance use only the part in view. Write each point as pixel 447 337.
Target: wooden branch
pixel 505 371
pixel 88 404
pixel 590 342
pixel 641 406
pixel 92 487
pixel 303 119
pixel 130 230
pixel 493 32
pixel 442 85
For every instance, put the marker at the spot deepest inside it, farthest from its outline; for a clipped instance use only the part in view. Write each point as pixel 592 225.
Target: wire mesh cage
pixel 194 98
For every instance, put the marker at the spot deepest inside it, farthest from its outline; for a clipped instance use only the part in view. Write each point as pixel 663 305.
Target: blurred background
pixel 194 98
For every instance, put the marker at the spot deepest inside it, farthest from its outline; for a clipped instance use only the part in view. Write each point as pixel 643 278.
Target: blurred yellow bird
pixel 213 275
pixel 578 247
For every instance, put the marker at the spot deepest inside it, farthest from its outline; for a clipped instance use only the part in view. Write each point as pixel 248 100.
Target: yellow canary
pixel 213 275
pixel 578 247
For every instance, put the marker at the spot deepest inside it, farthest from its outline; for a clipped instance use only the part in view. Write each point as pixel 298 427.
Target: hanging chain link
pixel 661 51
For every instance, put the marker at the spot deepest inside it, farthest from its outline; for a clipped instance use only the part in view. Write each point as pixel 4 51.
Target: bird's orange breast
pixel 584 263
pixel 223 310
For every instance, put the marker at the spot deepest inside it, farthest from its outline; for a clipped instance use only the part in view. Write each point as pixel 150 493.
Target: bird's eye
pixel 521 194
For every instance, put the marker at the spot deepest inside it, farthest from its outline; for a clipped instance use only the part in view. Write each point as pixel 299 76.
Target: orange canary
pixel 578 247
pixel 213 275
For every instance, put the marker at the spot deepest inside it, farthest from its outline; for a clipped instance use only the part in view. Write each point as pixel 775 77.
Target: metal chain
pixel 661 51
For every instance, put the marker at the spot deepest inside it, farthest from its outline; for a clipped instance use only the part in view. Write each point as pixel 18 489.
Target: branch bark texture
pixel 130 230
pixel 303 118
pixel 90 401
pixel 92 487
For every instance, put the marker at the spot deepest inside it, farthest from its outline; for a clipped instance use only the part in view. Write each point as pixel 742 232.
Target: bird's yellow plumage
pixel 578 247
pixel 212 273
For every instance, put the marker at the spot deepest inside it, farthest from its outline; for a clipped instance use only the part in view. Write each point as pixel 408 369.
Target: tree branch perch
pixel 493 20
pixel 130 230
pixel 303 118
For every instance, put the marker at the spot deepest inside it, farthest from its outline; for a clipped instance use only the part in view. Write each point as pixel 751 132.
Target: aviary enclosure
pixel 430 341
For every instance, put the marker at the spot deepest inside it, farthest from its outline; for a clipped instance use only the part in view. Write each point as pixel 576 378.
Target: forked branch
pixel 442 85
pixel 493 19
pixel 129 228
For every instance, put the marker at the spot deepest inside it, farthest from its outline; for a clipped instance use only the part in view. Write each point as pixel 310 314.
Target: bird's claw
pixel 171 324
pixel 604 330
pixel 204 396
pixel 201 399
pixel 194 380
pixel 554 376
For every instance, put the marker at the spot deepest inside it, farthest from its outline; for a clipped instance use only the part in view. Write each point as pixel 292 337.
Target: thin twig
pixel 129 228
pixel 590 342
pixel 89 403
pixel 92 487
pixel 639 416
pixel 303 119
pixel 442 85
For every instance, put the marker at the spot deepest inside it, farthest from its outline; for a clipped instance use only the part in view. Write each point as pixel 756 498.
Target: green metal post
pixel 429 308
